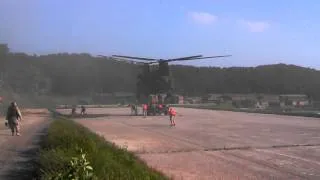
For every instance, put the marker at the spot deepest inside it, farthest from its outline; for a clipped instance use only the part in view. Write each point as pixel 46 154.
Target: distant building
pixel 193 100
pixel 258 100
pixel 241 97
pixel 296 100
pixel 267 100
pixel 241 100
pixel 212 98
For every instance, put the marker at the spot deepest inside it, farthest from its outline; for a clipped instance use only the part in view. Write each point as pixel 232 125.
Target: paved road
pixel 217 144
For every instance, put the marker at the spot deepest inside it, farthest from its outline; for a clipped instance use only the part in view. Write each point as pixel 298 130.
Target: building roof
pixel 294 96
pixel 270 97
pixel 123 94
pixel 214 96
pixel 236 96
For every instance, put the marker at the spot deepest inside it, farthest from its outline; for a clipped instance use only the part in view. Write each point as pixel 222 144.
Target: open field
pixel 91 106
pixel 289 111
pixel 209 144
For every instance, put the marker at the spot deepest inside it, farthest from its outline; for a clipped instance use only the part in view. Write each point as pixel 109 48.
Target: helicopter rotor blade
pixel 138 58
pixel 149 61
pixel 113 58
pixel 213 57
pixel 102 56
pixel 187 57
pixel 122 60
pixel 132 61
pixel 197 58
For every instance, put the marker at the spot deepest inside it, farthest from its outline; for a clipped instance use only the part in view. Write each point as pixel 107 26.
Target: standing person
pixel 73 111
pixel 160 107
pixel 172 114
pixel 145 109
pixel 83 110
pixel 136 110
pixel 13 117
pixel 132 109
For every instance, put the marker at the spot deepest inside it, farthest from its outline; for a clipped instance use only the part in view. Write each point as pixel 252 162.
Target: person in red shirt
pixel 145 109
pixel 172 114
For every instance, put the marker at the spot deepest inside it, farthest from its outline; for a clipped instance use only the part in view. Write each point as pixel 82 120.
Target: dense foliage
pixel 83 74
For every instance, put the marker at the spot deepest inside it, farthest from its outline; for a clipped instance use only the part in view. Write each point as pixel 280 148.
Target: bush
pixel 69 145
pixel 78 168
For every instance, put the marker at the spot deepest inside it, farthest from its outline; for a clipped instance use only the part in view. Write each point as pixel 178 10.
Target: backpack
pixel 12 112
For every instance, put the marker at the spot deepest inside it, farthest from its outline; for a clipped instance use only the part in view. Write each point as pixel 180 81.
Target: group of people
pixel 14 116
pixel 83 110
pixel 171 112
pixel 155 108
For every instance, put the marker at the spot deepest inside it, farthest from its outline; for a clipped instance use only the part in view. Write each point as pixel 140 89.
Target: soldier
pixel 83 110
pixel 73 111
pixel 13 117
pixel 136 110
pixel 133 109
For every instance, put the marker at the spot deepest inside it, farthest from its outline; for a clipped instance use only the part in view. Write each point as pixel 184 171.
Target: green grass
pixel 66 137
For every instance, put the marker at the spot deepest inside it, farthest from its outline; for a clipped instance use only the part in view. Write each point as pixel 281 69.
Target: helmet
pixel 14 104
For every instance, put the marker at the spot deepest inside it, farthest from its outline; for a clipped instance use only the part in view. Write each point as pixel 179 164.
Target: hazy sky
pixel 254 32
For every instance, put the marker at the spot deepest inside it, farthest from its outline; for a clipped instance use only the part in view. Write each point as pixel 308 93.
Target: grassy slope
pixel 108 161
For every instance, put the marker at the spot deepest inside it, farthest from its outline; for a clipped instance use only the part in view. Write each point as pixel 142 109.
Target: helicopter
pixel 158 81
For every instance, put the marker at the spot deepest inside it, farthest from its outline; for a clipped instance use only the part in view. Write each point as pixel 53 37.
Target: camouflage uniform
pixel 83 110
pixel 13 117
pixel 132 109
pixel 73 111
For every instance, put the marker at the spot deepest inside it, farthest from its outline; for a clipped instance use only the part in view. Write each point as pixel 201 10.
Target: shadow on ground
pixel 25 165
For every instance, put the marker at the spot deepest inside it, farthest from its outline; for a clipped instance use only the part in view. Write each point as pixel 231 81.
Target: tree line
pixel 83 74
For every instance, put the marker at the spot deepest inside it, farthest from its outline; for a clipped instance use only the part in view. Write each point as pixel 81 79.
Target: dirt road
pixel 216 144
pixel 18 152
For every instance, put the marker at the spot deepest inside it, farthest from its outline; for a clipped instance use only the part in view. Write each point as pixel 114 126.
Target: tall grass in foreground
pixel 64 140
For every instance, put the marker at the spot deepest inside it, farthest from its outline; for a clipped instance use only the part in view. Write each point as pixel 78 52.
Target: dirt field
pixel 216 144
pixel 17 153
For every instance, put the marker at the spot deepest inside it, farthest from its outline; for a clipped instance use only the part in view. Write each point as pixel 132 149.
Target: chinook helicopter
pixel 157 80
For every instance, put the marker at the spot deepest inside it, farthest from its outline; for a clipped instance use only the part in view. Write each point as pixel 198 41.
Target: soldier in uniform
pixel 73 111
pixel 13 117
pixel 134 109
pixel 83 110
